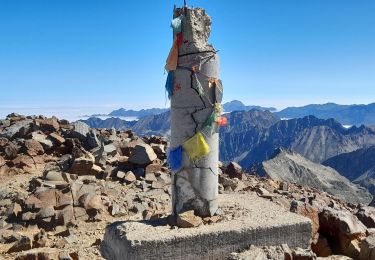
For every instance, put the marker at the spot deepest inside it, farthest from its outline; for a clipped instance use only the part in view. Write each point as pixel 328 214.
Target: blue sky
pixel 104 54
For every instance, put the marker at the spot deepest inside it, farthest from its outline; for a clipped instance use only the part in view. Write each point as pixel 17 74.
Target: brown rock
pixel 33 202
pixel 96 170
pixel 234 170
pixel 150 177
pixel 24 162
pixel 22 244
pixel 47 197
pixel 343 229
pixel 80 214
pixel 33 148
pixel 151 168
pixel 308 211
pixel 56 138
pixel 49 125
pixel 130 177
pixel 63 199
pixel 188 220
pixel 11 151
pixel 368 248
pixel 82 166
pixel 2 161
pixel 321 246
pixel 65 216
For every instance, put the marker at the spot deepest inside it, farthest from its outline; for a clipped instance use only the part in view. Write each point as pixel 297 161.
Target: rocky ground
pixel 63 183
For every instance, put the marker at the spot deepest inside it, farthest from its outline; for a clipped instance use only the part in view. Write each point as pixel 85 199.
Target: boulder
pixel 46 212
pixel 18 129
pixel 110 149
pixel 33 147
pixel 367 248
pixel 79 189
pixel 234 170
pixel 130 177
pixel 92 140
pixel 65 215
pixel 24 162
pixel 47 197
pixel 188 220
pixel 343 230
pixel 65 162
pixel 321 247
pixel 142 154
pixel 53 176
pixel 42 139
pixel 56 138
pixel 11 151
pixel 22 244
pixel 49 125
pixel 367 216
pixel 308 211
pixel 80 130
pixel 63 199
pixel 152 168
pixel 82 165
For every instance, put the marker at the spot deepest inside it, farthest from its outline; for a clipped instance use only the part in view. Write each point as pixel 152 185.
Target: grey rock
pixel 80 130
pixel 142 154
pixel 92 140
pixel 18 129
pixel 42 139
pixel 110 149
pixel 65 162
pixel 54 176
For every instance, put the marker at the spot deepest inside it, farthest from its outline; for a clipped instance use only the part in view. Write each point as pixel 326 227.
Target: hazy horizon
pixel 74 113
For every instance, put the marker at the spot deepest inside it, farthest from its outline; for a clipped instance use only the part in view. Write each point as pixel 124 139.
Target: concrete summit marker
pixel 195 90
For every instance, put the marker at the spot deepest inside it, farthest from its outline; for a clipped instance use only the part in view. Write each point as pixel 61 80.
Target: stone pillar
pixel 195 185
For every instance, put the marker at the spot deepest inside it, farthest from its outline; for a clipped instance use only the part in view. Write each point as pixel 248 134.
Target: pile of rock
pixel 76 175
pixel 338 227
pixel 64 182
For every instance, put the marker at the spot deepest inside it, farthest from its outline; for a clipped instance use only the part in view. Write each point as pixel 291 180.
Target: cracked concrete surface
pixel 196 185
pixel 253 221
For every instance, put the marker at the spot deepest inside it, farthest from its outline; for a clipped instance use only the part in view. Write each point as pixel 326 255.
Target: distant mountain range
pixel 345 114
pixel 237 105
pixel 251 137
pixel 122 112
pixel 234 105
pixel 316 139
pixel 148 125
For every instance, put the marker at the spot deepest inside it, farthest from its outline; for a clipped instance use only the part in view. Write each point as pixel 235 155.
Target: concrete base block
pixel 255 221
